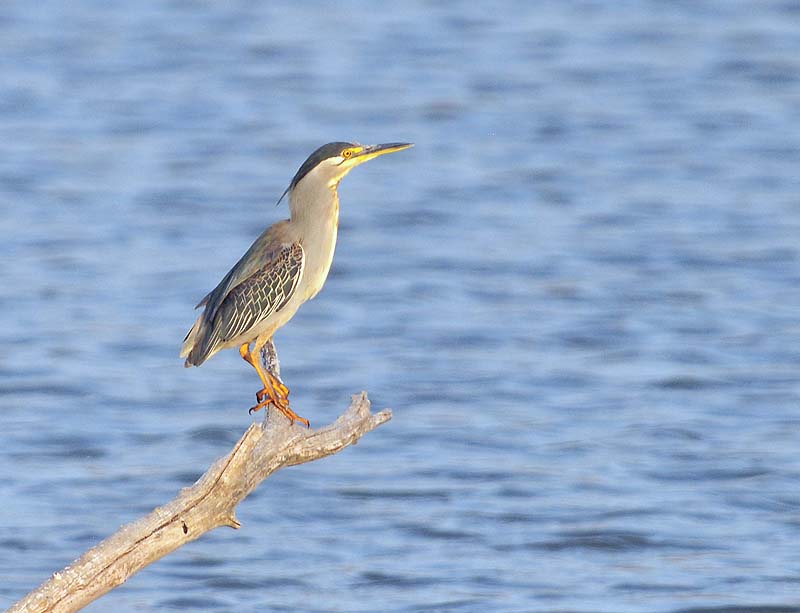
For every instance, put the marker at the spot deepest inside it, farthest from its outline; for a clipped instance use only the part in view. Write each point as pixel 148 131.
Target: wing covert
pixel 260 295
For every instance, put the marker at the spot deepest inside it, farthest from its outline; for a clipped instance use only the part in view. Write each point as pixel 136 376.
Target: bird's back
pixel 261 282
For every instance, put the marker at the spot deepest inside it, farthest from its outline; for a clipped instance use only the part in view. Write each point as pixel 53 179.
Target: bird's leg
pixel 266 392
pixel 274 392
pixel 271 364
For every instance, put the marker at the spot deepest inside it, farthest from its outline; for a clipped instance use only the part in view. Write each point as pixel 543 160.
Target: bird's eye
pixel 347 153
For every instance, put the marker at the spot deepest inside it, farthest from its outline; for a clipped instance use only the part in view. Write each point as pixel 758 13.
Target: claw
pixel 259 406
pixel 283 408
pixel 274 391
pixel 266 397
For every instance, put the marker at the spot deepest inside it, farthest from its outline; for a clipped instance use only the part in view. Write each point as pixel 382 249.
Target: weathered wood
pixel 209 503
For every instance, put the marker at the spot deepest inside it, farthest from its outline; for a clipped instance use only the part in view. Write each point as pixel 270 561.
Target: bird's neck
pixel 317 224
pixel 314 205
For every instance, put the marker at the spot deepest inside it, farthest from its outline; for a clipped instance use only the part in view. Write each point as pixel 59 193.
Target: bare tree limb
pixel 209 503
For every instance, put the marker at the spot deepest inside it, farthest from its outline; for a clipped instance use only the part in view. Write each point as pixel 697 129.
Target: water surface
pixel 577 292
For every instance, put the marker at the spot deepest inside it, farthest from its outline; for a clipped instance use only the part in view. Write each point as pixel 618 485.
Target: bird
pixel 285 266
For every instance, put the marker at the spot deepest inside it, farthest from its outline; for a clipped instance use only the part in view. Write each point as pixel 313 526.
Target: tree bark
pixel 209 503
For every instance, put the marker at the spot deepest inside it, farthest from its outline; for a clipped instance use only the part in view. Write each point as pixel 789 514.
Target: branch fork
pixel 210 503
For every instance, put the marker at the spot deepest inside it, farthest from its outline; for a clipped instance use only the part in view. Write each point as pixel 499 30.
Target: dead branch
pixel 209 503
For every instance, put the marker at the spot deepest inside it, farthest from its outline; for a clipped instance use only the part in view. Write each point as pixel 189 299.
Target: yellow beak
pixel 372 151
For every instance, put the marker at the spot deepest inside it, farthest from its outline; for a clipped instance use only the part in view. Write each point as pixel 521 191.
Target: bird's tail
pixel 189 349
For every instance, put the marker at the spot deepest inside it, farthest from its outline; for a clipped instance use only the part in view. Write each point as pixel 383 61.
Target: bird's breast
pixel 319 244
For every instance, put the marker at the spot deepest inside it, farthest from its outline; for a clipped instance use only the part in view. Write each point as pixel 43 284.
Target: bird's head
pixel 330 163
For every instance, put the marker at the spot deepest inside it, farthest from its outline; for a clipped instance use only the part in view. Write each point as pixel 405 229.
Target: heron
pixel 285 266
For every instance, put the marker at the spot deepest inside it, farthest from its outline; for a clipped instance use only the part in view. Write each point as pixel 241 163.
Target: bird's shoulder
pixel 271 242
pixel 270 245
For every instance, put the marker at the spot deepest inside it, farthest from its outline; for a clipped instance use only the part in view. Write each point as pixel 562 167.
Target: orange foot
pixel 277 394
pixel 274 391
pixel 277 386
pixel 265 398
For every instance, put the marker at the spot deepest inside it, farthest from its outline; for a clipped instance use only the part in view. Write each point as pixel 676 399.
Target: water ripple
pixel 578 293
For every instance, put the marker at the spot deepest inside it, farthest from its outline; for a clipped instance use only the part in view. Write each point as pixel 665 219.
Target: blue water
pixel 578 293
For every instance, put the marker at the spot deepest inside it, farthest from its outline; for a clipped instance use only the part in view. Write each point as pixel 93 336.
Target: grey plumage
pixel 260 284
pixel 287 265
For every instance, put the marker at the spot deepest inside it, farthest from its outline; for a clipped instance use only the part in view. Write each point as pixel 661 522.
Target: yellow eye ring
pixel 347 153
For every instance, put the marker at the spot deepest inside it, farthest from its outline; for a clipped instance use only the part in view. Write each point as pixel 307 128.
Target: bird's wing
pixel 260 283
pixel 260 295
pixel 263 249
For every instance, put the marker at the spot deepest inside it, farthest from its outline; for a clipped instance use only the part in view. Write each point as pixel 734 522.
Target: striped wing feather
pixel 261 294
pixel 251 301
